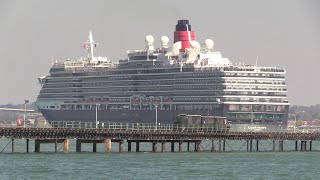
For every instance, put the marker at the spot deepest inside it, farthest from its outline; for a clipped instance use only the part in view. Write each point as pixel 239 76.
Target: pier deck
pixel 150 134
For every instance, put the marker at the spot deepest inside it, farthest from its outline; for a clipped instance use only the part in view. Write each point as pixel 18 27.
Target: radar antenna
pixel 89 45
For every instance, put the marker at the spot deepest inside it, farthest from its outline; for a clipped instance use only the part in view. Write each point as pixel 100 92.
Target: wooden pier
pixel 161 137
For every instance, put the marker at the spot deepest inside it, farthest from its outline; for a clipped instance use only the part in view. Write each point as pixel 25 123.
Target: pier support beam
pixel 212 145
pixel 78 146
pixel 180 146
pixel 250 145
pixel 296 146
pixel 66 146
pixel 172 146
pixel 129 146
pixel 281 146
pixel 37 146
pixel 198 146
pixel 310 145
pixel 12 145
pixel 188 147
pixel 137 147
pixel 274 145
pixel 56 146
pixel 224 145
pixel 195 147
pixel 120 146
pixel 303 145
pixel 27 143
pixel 219 145
pixel 257 146
pixel 163 146
pixel 154 147
pixel 54 141
pixel 108 145
pixel 94 147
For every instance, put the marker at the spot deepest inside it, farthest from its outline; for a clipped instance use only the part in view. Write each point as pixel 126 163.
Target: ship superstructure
pixel 185 78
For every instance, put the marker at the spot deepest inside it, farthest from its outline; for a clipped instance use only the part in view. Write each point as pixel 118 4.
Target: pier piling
pixel 78 146
pixel 137 146
pixel 163 147
pixel 55 146
pixel 212 145
pixel 180 146
pixel 198 146
pixel 27 144
pixel 303 146
pixel 94 147
pixel 38 142
pixel 36 146
pixel 224 145
pixel 12 145
pixel 154 147
pixel 188 147
pixel 108 145
pixel 281 146
pixel 121 146
pixel 172 146
pixel 129 146
pixel 66 145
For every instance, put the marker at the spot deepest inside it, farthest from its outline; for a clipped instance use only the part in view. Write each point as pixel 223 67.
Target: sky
pixel 284 34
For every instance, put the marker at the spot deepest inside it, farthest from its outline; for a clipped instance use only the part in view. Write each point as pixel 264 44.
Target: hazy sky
pixel 281 33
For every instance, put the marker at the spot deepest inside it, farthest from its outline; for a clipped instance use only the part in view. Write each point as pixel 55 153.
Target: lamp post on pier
pixel 295 119
pixel 97 122
pixel 156 116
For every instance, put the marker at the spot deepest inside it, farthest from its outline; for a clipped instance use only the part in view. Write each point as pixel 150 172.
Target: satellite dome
pixel 176 47
pixel 195 45
pixel 149 39
pixel 165 41
pixel 209 43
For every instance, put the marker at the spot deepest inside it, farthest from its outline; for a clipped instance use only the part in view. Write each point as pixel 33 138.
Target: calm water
pixel 148 165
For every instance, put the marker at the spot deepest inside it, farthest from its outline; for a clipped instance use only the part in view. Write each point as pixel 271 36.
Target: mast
pixel 89 45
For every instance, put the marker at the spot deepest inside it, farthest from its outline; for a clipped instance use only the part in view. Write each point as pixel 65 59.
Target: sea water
pixel 235 163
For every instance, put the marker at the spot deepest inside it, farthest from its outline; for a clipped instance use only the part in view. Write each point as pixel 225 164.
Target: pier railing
pixel 138 126
pixel 174 127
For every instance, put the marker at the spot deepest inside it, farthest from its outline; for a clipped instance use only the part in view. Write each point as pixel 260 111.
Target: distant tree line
pixel 7 116
pixel 305 113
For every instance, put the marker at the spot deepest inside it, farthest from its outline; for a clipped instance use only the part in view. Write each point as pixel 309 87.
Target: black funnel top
pixel 182 25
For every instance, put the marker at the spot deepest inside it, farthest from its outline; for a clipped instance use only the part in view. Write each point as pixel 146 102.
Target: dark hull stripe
pixel 128 116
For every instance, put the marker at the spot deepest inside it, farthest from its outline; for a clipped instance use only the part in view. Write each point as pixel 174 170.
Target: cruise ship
pixel 159 83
